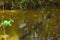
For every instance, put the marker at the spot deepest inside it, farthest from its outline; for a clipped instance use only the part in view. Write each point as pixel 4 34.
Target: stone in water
pixel 23 25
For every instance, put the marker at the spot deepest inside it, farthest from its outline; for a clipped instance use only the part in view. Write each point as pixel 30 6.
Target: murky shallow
pixel 48 29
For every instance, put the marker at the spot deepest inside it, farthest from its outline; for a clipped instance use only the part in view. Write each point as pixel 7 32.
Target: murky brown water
pixel 33 16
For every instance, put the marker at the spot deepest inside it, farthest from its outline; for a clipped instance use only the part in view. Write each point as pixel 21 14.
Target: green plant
pixel 6 23
pixel 29 3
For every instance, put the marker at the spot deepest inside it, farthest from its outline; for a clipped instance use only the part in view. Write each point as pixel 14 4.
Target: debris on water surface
pixel 23 25
pixel 7 22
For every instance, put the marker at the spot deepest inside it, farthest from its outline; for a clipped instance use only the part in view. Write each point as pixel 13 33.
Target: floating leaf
pixel 6 23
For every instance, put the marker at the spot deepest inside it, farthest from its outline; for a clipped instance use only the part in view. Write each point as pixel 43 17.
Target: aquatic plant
pixel 6 23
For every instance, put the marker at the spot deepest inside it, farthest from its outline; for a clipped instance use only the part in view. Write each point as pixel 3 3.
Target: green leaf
pixel 6 23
